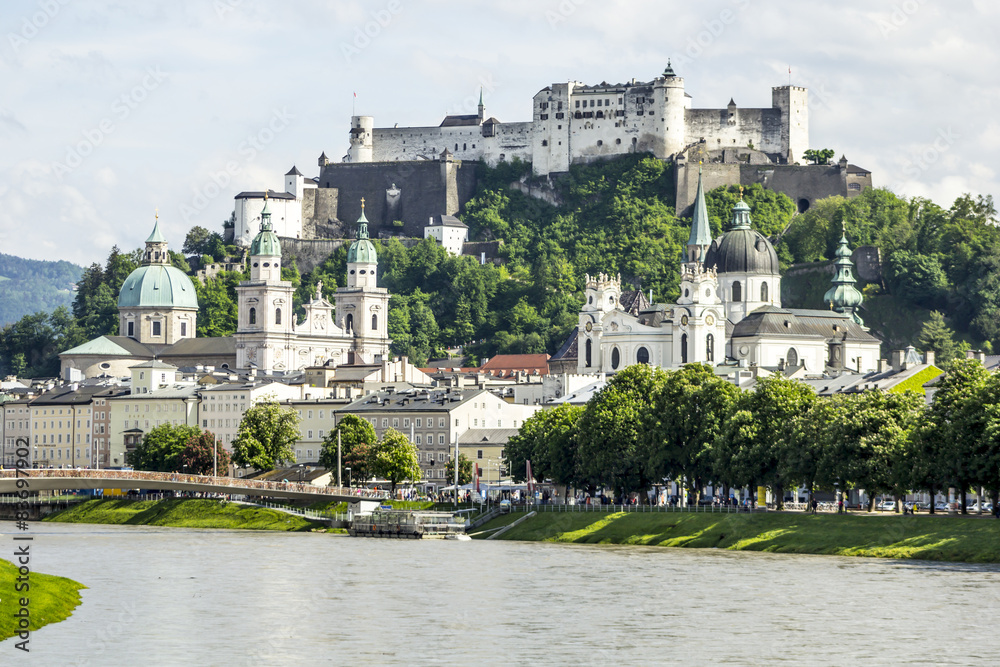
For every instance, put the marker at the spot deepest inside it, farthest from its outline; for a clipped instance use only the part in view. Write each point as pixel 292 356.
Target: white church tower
pixel 603 293
pixel 264 331
pixel 362 308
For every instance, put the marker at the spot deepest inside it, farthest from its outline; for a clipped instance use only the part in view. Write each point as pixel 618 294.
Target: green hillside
pixel 28 286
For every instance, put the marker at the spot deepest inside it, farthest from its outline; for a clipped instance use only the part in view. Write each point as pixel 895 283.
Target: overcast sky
pixel 111 109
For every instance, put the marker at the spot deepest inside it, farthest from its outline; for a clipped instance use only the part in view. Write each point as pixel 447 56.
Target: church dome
pixel 266 243
pixel 741 249
pixel 157 286
pixel 362 251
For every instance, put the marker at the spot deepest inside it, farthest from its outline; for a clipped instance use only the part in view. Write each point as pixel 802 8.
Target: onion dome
pixel 844 297
pixel 742 249
pixel 266 243
pixel 362 251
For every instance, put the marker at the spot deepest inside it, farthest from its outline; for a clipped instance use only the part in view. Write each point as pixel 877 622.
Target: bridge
pixel 33 480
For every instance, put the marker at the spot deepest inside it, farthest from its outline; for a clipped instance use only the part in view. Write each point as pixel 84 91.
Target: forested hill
pixel 29 285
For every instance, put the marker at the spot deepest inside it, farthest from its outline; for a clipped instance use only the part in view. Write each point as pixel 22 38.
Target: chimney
pixel 883 366
pixel 896 357
pixel 929 357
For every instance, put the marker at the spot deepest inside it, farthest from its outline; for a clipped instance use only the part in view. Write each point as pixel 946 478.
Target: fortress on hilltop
pixel 412 176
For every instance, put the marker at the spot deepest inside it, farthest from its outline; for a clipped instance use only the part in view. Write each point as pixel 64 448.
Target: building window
pixel 385 423
pixel 374 322
pixel 419 422
pixel 349 323
pixel 277 315
pixel 642 356
pixel 589 348
pixel 131 329
pixel 479 453
pixel 793 357
pixel 441 438
pixel 615 359
pixel 184 329
pixel 763 291
pixel 737 291
pixel 253 316
pixel 416 440
pixel 710 347
pixel 684 348
pixel 156 328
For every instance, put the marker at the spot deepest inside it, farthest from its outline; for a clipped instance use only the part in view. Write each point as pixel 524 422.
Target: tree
pixel 464 470
pixel 686 415
pixel 396 459
pixel 199 455
pixel 820 156
pixel 613 448
pixel 937 337
pixel 266 436
pixel 161 448
pixel 357 445
pixel 195 241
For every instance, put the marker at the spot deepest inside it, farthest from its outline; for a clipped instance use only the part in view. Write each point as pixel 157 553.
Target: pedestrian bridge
pixel 33 480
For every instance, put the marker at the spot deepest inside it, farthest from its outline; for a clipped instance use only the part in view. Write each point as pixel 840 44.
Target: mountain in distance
pixel 30 285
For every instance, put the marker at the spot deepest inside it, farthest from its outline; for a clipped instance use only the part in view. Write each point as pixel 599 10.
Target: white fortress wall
pixel 286 216
pixel 762 127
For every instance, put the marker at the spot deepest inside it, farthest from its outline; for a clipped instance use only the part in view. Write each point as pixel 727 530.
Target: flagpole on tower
pixel 354 103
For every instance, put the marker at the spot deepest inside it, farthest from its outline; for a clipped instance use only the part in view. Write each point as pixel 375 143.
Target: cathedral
pixel 728 312
pixel 158 309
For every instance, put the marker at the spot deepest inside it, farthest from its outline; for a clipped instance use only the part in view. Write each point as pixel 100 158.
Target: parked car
pixel 940 507
pixel 887 505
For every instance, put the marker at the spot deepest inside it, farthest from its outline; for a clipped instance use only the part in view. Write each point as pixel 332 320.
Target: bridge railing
pixel 234 483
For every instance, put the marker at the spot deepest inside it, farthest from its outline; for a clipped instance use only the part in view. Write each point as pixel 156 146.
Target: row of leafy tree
pixel 266 440
pixel 648 426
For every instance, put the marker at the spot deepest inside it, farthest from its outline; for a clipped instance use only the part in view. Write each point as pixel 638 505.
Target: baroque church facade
pixel 158 310
pixel 729 312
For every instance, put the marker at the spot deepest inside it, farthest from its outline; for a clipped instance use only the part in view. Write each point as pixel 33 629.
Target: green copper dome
pixel 362 251
pixel 157 286
pixel 844 297
pixel 266 242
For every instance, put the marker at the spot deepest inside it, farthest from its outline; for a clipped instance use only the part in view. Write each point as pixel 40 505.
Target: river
pixel 170 596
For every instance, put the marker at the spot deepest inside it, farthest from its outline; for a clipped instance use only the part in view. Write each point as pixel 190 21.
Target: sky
pixel 113 110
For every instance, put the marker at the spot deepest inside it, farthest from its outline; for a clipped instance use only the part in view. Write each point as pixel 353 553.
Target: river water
pixel 170 596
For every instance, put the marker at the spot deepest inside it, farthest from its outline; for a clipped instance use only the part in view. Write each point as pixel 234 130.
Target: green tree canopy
pixel 162 447
pixel 396 459
pixel 266 436
pixel 203 456
pixel 464 470
pixel 357 447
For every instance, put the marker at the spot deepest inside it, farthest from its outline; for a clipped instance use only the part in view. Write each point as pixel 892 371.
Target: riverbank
pixel 52 599
pixel 953 539
pixel 182 513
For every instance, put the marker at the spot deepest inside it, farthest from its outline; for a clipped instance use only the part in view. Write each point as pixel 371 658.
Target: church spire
pixel 844 297
pixel 741 214
pixel 701 234
pixel 156 246
pixel 362 231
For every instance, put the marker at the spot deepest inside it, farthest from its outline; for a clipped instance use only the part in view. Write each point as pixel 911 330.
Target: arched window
pixel 737 291
pixel 374 322
pixel 642 356
pixel 710 347
pixel 349 323
pixel 792 357
pixel 253 316
pixel 588 354
pixel 616 359
pixel 277 315
pixel 763 291
pixel 684 348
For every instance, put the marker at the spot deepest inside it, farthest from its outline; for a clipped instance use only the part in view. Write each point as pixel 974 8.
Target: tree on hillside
pixel 396 459
pixel 357 444
pixel 938 338
pixel 203 456
pixel 217 304
pixel 196 240
pixel 266 436
pixel 162 447
pixel 464 470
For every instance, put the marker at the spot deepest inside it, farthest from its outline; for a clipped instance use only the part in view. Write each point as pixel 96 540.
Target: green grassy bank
pixel 51 599
pixel 922 537
pixel 181 513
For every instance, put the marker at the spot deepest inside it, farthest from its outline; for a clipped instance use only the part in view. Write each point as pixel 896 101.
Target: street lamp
pixel 348 469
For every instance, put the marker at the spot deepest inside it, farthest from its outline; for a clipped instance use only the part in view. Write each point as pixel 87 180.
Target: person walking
pixel 814 504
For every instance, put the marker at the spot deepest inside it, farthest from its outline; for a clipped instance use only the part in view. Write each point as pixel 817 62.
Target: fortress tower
pixel 361 139
pixel 670 101
pixel 793 101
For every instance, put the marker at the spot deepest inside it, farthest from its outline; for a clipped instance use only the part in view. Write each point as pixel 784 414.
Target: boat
pixel 408 524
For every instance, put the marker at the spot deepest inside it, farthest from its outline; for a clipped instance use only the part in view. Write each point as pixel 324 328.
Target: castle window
pixel 463 147
pixel 598 102
pixel 792 357
pixel 349 323
pixel 854 186
pixel 600 143
pixel 156 328
pixel 642 356
pixel 737 291
pixel 456 147
pixel 277 315
pixel 374 322
pixel 591 102
pixel 710 347
pixel 253 316
pixel 184 329
pixel 545 142
pixel 589 350
pixel 578 104
pixel 616 359
pixel 131 330
pixel 763 291
pixel 684 348
pixel 618 141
